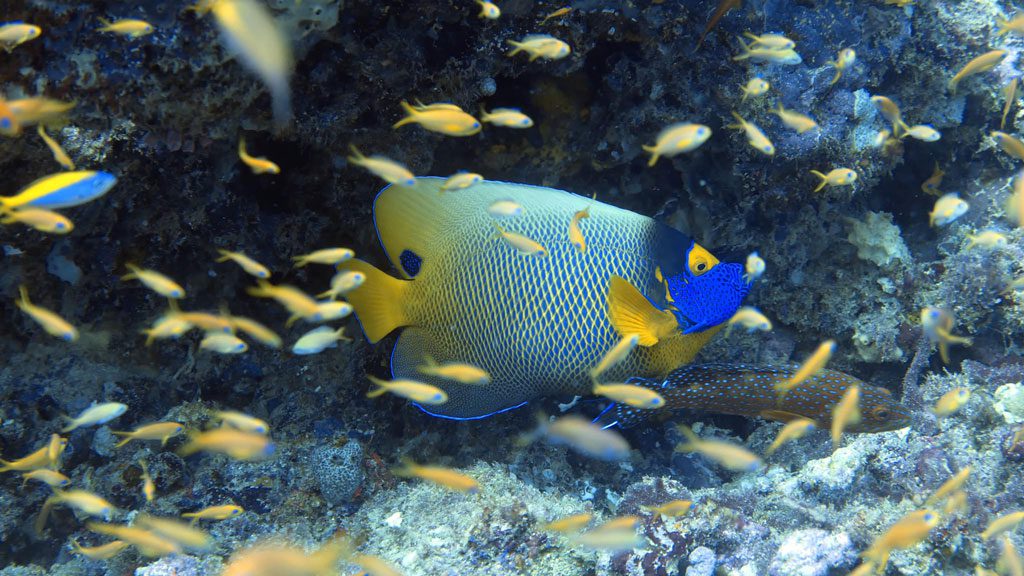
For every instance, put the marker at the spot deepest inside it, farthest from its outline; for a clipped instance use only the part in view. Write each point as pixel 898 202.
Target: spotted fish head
pixel 880 412
pixel 707 292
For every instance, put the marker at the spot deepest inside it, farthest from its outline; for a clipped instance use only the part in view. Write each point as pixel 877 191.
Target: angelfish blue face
pixel 707 292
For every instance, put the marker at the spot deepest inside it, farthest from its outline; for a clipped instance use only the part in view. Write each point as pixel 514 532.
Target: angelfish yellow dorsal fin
pixel 631 313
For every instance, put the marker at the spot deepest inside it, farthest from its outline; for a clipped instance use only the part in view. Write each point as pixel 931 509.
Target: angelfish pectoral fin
pixel 631 313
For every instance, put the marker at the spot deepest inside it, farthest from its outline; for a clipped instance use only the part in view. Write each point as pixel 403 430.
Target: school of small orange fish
pixel 245 23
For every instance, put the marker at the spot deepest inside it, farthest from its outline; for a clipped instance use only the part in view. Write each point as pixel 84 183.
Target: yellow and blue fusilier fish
pixel 62 190
pixel 536 325
pixel 748 390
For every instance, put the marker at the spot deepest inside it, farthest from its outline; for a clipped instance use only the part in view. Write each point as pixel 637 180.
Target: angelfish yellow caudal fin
pixel 631 313
pixel 378 302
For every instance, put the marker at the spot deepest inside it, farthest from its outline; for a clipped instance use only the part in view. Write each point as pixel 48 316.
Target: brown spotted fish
pixel 748 390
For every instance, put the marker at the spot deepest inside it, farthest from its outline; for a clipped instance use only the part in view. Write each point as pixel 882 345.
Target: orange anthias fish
pixel 747 390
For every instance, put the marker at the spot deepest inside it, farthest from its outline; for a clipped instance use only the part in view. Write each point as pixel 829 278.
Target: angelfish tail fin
pixel 378 302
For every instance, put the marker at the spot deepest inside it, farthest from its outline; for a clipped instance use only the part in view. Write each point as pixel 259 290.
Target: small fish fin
pixel 944 351
pixel 406 470
pixel 71 423
pixel 410 118
pixel 517 47
pixel 381 387
pixel 224 255
pixel 133 271
pixel 824 179
pixel 692 440
pixel 948 336
pixel 356 156
pixel 1001 25
pixel 630 312
pixel 898 126
pixel 172 304
pixel 498 231
pixel 126 435
pixel 23 295
pixel 378 301
pixel 743 46
pixel 106 23
pixel 740 121
pixel 45 513
pixel 779 415
pixel 428 363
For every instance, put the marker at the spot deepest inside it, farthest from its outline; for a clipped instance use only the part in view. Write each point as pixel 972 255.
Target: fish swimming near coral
pixel 537 325
pixel 748 390
pixel 62 190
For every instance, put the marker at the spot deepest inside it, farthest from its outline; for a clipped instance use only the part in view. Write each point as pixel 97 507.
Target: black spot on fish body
pixel 411 262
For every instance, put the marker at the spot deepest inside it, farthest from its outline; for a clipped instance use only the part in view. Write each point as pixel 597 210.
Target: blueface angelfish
pixel 747 390
pixel 537 325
